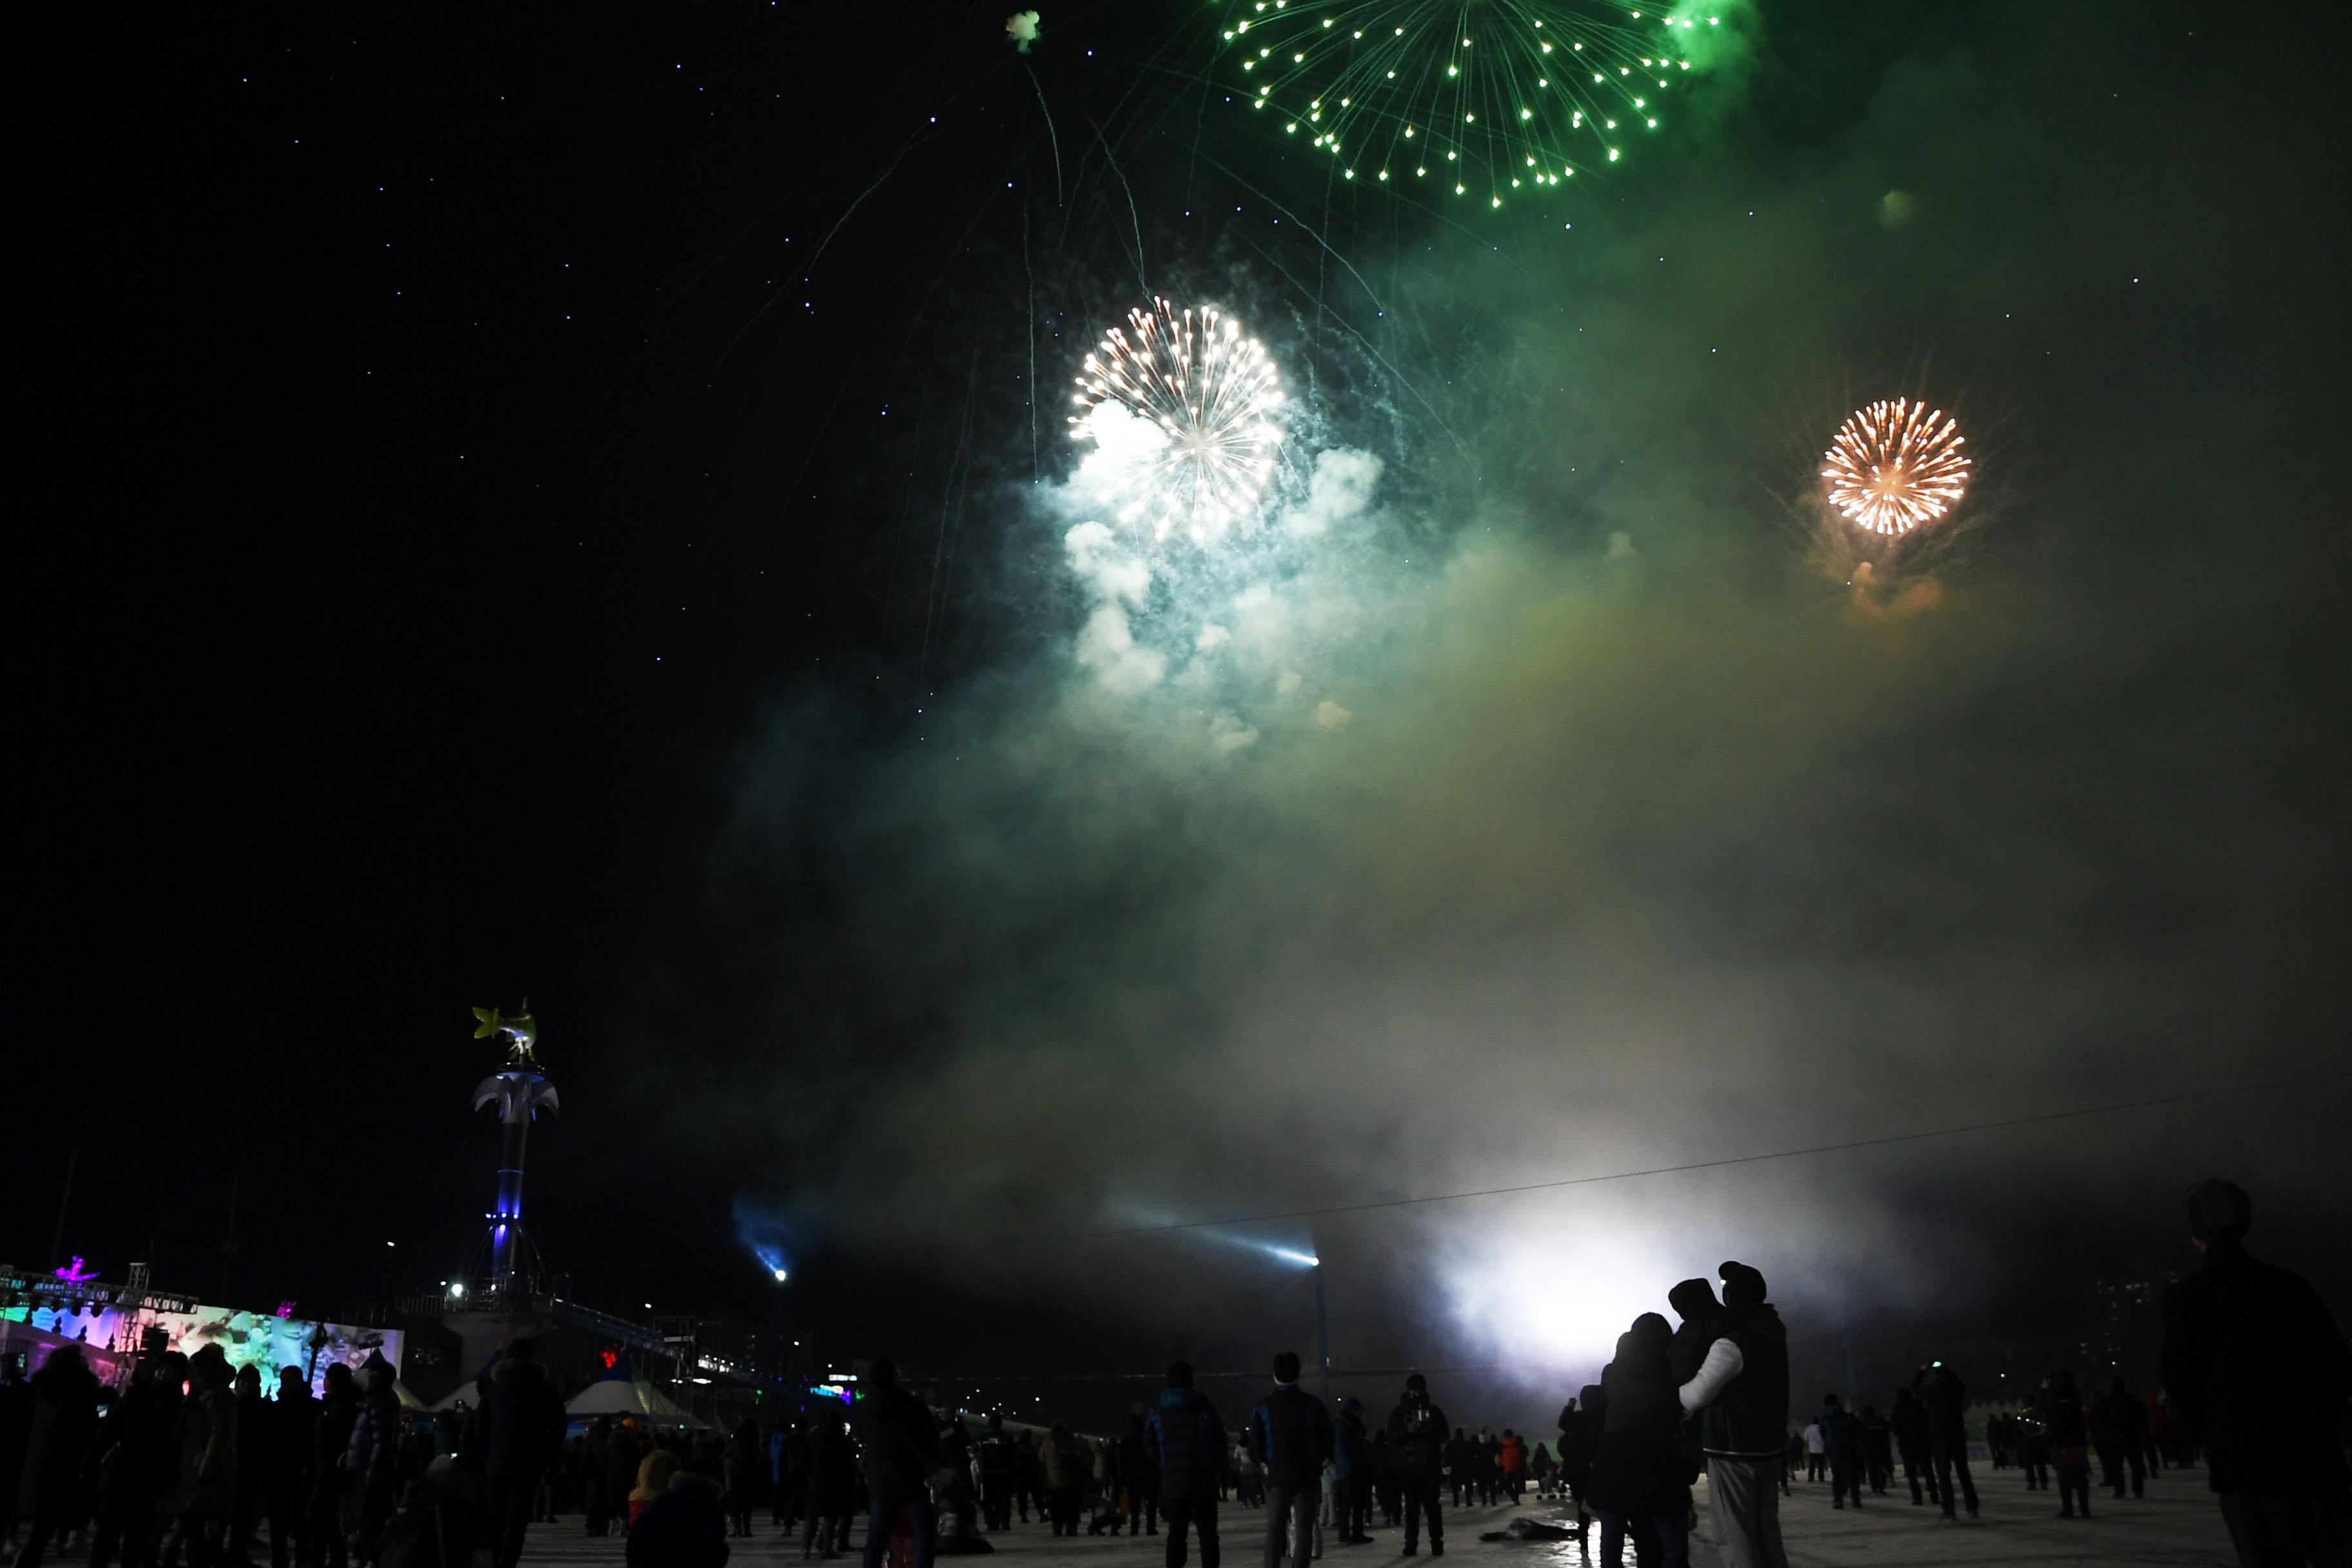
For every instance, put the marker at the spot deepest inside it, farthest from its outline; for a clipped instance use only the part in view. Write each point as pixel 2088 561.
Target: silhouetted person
pixel 1184 1441
pixel 51 1497
pixel 290 1425
pixel 2061 1412
pixel 1418 1437
pixel 2032 1449
pixel 1066 1466
pixel 374 1457
pixel 685 1526
pixel 830 1483
pixel 2257 1370
pixel 1139 1473
pixel 522 1434
pixel 743 1464
pixel 322 1532
pixel 1878 1450
pixel 1741 1393
pixel 1580 1433
pixel 1290 1433
pixel 1637 1470
pixel 1842 1441
pixel 252 1447
pixel 206 1436
pixel 1909 1421
pixel 2123 1438
pixel 1352 1453
pixel 1946 1399
pixel 135 1443
pixel 999 1462
pixel 899 1449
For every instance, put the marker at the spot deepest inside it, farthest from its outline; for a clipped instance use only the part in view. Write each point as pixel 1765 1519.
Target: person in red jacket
pixel 1513 1462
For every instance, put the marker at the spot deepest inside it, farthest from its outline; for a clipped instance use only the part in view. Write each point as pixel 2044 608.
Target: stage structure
pixel 518 1092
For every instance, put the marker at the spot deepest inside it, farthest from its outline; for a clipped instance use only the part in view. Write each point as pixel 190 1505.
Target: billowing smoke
pixel 1528 807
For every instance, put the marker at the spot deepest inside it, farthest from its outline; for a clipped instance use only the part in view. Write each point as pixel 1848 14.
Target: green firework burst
pixel 1478 100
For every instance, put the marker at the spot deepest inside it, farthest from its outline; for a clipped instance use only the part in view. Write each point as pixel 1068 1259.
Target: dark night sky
pixel 467 561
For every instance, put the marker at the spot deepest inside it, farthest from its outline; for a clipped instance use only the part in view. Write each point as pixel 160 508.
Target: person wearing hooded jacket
pixel 1184 1443
pixel 2256 1369
pixel 523 1432
pixel 1637 1469
pixel 1418 1443
pixel 1741 1393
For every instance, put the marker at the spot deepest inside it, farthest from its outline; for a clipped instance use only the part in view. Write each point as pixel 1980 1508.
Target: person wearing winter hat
pixel 1741 1394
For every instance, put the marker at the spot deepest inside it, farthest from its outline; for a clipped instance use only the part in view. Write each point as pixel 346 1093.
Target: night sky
pixel 555 507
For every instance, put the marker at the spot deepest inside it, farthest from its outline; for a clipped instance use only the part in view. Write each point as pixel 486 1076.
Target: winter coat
pixel 134 1446
pixel 1513 1458
pixel 1186 1439
pixel 1637 1469
pixel 685 1526
pixel 1909 1420
pixel 1290 1433
pixel 897 1443
pixel 1579 1434
pixel 1065 1462
pixel 522 1421
pixel 744 1468
pixel 330 1441
pixel 1352 1452
pixel 2257 1370
pixel 2063 1424
pixel 1747 1416
pixel 1417 1436
pixel 206 1439
pixel 376 1436
pixel 64 1425
pixel 624 1452
pixel 292 1427
pixel 1947 1398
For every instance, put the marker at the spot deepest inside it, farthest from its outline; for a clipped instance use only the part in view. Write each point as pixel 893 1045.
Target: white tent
pixel 630 1396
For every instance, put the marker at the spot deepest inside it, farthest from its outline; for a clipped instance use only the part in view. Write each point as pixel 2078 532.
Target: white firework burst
pixel 1207 398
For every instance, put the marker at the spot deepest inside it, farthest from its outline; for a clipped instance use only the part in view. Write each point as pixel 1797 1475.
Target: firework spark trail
pixel 1489 98
pixel 1210 394
pixel 1896 465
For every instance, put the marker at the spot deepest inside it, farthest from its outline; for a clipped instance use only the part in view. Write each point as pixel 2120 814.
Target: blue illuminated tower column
pixel 518 1092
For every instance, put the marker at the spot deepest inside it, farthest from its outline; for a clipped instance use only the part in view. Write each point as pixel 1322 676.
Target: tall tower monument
pixel 520 1090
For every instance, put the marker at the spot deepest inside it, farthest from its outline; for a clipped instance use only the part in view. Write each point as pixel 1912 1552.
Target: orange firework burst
pixel 1896 465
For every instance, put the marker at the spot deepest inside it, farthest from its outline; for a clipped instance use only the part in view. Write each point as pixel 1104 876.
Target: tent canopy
pixel 631 1396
